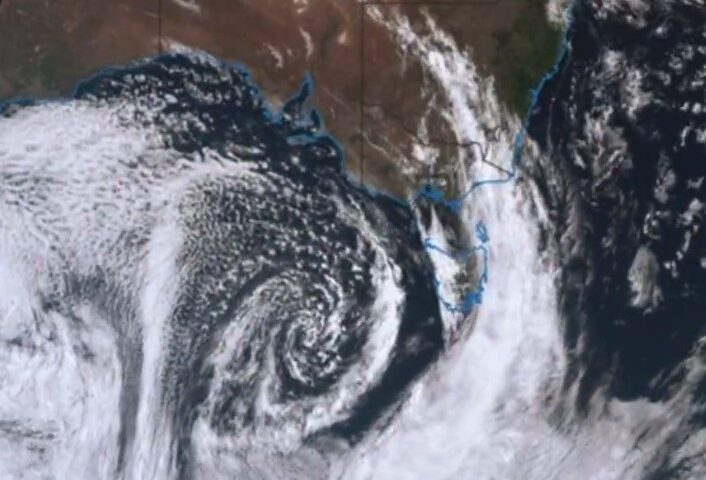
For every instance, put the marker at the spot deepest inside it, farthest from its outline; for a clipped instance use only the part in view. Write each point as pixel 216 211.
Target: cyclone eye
pixel 315 347
pixel 324 328
pixel 304 305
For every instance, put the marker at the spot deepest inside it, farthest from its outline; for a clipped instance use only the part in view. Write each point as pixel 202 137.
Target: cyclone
pixel 192 288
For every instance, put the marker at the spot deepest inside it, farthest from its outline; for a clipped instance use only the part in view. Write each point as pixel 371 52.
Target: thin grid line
pixel 361 156
pixel 159 26
pixel 362 6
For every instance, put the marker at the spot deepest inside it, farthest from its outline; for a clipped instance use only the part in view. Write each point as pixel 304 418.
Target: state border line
pixel 362 6
pixel 472 297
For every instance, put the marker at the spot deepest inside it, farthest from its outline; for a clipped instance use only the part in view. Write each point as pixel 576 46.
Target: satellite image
pixel 353 239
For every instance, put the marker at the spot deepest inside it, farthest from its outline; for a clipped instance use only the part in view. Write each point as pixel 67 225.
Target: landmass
pixel 371 95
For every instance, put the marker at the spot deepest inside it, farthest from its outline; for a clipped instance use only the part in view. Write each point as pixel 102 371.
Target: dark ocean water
pixel 306 306
pixel 622 123
pixel 304 259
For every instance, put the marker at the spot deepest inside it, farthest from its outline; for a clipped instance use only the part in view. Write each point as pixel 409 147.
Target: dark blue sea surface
pixel 285 240
pixel 622 124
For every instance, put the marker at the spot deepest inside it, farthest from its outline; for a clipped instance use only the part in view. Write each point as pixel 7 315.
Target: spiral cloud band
pixel 190 284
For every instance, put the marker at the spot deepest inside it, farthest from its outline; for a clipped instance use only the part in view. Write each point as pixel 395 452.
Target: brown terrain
pixel 370 95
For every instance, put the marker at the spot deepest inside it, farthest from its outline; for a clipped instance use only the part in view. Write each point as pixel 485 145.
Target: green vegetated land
pixel 524 54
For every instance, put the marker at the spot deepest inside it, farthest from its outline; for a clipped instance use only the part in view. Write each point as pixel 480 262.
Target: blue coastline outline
pixel 474 297
pixel 434 195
